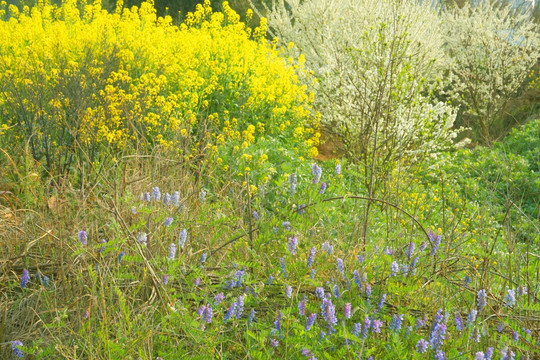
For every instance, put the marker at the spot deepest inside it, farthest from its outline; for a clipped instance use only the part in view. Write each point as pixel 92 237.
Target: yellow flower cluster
pixel 113 79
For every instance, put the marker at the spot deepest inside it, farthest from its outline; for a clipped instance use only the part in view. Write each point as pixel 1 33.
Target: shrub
pixel 375 62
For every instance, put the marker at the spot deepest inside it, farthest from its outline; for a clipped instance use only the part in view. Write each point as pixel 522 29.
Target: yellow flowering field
pixel 76 78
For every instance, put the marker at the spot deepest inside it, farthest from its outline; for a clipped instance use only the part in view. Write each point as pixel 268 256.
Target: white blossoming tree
pixel 493 49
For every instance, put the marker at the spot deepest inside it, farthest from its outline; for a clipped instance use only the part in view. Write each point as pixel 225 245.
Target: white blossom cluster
pixel 376 63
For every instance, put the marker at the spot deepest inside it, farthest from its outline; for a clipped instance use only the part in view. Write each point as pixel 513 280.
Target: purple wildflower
pixel 347 311
pixel 397 320
pixel 274 343
pixel 143 239
pixel 283 269
pixel 239 308
pixel 489 353
pixel 435 242
pixel 365 329
pixel 316 171
pixel 172 251
pixel 218 298
pixel 338 169
pixel 521 290
pixel 15 346
pixel 270 279
pixel 500 328
pixel 481 299
pixel 507 354
pixel 310 321
pixel 146 196
pixel 255 215
pixel 288 291
pixel 357 280
pixel 312 274
pixel 121 256
pixel 413 265
pixel 423 246
pixel 286 225
pixel 472 317
pixel 404 269
pixel 175 198
pixel 168 221
pixel 204 256
pixel 376 326
pixel 328 312
pixel 368 291
pixel 25 278
pixel 422 346
pixel 277 323
pixel 207 316
pixel 439 355
pixel 293 183
pixel 156 193
pixel 467 280
pixel 394 268
pixel 306 352
pixel 319 292
pixel 196 282
pixel 311 256
pixel 360 258
pixel 458 322
pixel 510 300
pixel 328 248
pixel 302 307
pixel 479 356
pixel 83 237
pixel 323 188
pixel 381 302
pixel 165 279
pixel 410 250
pixel 515 335
pixel 340 267
pixel 251 317
pixel 475 335
pixel 166 199
pixel 357 328
pixel 182 239
pixel 291 246
pixel 336 291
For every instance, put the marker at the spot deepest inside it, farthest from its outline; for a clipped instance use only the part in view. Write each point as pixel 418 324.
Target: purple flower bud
pixel 291 246
pixel 302 307
pixel 251 317
pixel 479 356
pixel 376 326
pixel 360 259
pixel 182 239
pixel 323 188
pixel 239 306
pixel 481 299
pixel 288 291
pixel 397 320
pixel 121 256
pixel 410 250
pixel 338 169
pixel 310 321
pixel 458 322
pixel 435 242
pixel 357 328
pixel 320 292
pixel 439 355
pixel 16 347
pixel 381 302
pixel 168 221
pixel 368 291
pixel 156 193
pixel 165 279
pixel 365 329
pixel 347 311
pixel 311 256
pixel 510 300
pixel 316 171
pixel 218 298
pixel 340 267
pixel 489 353
pixel 255 215
pixel 83 237
pixel 472 317
pixel 422 346
pixel 357 280
pixel 196 282
pixel 25 278
pixel 388 251
pixel 283 269
pixel 172 251
pixel 394 268
pixel 274 343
